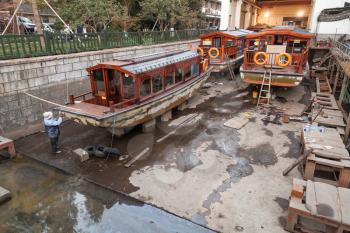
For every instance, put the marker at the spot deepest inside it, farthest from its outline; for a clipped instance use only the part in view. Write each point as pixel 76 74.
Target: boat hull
pixel 145 111
pixel 223 66
pixel 278 80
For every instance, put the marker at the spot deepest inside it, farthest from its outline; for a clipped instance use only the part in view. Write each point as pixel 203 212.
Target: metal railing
pixel 297 63
pixel 22 46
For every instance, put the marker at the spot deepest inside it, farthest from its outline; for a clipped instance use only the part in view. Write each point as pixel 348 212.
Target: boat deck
pixel 88 109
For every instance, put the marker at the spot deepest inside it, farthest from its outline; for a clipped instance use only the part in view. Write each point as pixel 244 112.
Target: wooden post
pixel 37 21
pixel 347 130
pixel 111 106
pixel 71 99
pixel 336 80
pixel 343 88
pixel 16 29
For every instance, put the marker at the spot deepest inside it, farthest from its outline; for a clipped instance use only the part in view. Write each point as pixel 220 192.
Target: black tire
pixel 90 150
pixel 109 151
pixel 99 151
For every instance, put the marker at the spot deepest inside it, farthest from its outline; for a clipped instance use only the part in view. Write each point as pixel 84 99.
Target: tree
pixel 168 13
pixel 95 15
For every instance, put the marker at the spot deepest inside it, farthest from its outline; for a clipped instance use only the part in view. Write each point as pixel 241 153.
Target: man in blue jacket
pixel 52 130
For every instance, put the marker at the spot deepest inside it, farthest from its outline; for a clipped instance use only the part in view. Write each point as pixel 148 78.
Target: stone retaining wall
pixel 52 78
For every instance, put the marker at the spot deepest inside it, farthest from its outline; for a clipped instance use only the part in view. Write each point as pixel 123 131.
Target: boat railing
pixel 123 104
pixel 298 59
pixel 72 98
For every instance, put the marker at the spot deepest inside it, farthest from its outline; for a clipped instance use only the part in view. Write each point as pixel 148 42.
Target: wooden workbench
pixel 318 207
pixel 329 161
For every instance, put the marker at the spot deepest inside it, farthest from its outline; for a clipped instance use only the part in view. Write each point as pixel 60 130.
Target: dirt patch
pixel 263 154
pixel 294 145
pixel 283 203
pixel 268 132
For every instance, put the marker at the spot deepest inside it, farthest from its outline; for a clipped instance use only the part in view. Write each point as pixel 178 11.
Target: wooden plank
pixel 310 201
pixel 131 162
pixel 327 201
pixel 344 202
pixel 318 85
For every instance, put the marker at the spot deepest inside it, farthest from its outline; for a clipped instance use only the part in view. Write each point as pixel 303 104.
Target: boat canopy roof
pixel 132 67
pixel 290 31
pixel 233 34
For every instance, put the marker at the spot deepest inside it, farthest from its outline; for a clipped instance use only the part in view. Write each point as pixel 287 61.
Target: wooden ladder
pixel 232 72
pixel 266 82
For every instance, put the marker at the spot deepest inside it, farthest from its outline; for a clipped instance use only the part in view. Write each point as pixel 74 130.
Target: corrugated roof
pixel 237 33
pixel 157 63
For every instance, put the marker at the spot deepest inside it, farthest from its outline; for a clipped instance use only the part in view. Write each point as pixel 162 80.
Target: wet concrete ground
pixel 46 200
pixel 228 180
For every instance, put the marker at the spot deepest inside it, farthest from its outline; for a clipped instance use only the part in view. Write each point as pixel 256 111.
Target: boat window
pixel 146 87
pixel 217 42
pixel 278 40
pixel 229 43
pixel 98 77
pixel 169 79
pixel 187 72
pixel 114 82
pixel 157 84
pixel 296 46
pixel 194 69
pixel 128 84
pixel 178 75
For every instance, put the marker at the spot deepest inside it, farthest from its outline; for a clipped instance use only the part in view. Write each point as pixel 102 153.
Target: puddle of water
pixel 46 200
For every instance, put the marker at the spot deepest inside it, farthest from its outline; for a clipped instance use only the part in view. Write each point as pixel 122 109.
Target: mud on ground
pixel 228 180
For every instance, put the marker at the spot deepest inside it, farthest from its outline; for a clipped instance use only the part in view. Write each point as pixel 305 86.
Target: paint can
pixel 255 94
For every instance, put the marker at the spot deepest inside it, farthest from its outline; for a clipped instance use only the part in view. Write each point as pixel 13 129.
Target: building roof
pixel 229 33
pixel 141 67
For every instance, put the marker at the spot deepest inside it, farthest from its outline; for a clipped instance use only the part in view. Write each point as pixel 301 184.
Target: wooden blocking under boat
pixel 4 195
pixel 182 106
pixel 318 207
pixel 166 116
pixel 83 155
pixel 335 171
pixel 149 126
pixel 116 131
pixel 8 144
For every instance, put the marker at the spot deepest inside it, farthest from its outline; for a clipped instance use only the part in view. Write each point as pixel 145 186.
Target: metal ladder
pixel 232 72
pixel 266 78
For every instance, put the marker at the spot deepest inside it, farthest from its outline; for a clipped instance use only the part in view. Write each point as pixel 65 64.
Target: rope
pixel 49 102
pixel 14 14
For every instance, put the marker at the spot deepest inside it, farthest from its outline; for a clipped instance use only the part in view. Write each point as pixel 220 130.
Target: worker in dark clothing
pixel 52 130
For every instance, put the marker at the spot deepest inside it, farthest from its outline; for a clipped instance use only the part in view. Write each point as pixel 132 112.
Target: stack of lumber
pixel 328 114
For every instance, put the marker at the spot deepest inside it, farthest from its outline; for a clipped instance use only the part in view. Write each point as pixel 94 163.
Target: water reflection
pixel 45 200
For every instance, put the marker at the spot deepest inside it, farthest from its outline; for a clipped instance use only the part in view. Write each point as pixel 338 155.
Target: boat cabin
pixel 118 84
pixel 285 49
pixel 220 46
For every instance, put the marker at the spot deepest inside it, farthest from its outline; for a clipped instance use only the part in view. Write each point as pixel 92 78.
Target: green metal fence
pixel 20 46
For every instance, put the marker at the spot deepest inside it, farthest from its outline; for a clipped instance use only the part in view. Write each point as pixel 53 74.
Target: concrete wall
pixel 53 78
pixel 338 27
pixel 273 15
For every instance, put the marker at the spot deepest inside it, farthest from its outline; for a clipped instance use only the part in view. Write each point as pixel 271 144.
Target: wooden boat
pixel 127 93
pixel 282 50
pixel 223 48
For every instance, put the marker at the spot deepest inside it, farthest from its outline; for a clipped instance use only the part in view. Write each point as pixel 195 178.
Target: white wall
pixel 225 12
pixel 339 27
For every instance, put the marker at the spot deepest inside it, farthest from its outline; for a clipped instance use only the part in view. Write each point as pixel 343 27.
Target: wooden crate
pixel 318 207
pixel 335 171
